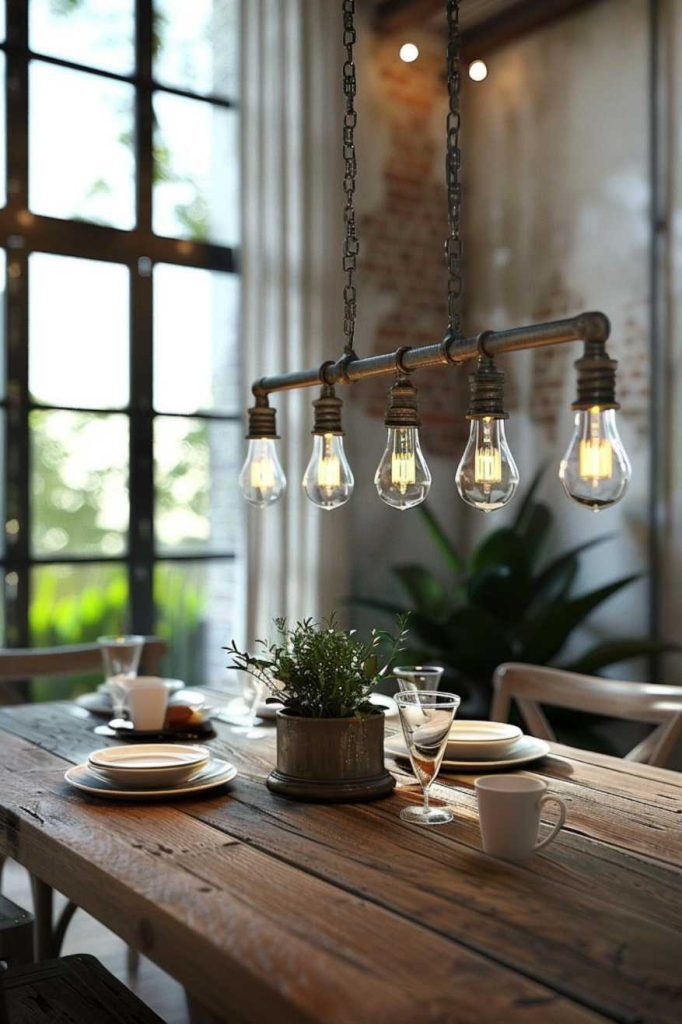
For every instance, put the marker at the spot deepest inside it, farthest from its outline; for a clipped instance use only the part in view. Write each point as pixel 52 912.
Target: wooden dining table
pixel 272 911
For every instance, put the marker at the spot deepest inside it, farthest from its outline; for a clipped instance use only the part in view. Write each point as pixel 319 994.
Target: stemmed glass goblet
pixel 418 677
pixel 426 717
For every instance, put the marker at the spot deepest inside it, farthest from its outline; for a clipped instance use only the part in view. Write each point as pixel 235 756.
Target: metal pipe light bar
pixel 587 327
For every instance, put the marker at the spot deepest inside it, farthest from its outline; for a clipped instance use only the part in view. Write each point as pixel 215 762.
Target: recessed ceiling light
pixel 409 52
pixel 478 71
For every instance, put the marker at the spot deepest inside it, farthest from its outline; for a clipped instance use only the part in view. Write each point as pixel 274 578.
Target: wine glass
pixel 248 724
pixel 418 677
pixel 426 717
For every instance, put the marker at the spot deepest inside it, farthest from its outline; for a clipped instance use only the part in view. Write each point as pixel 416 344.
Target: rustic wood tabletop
pixel 274 911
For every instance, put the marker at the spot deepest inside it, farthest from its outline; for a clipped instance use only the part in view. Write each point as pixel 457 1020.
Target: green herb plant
pixel 318 670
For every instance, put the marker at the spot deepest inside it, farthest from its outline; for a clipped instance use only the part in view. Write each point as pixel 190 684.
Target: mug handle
pixel 560 823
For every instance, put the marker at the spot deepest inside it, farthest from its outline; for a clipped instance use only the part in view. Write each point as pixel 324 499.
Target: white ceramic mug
pixel 145 699
pixel 509 809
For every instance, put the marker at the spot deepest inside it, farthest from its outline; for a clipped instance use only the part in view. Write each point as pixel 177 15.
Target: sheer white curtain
pixel 292 208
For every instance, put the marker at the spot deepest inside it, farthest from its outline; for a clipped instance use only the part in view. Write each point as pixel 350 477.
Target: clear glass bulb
pixel 262 478
pixel 595 471
pixel 402 477
pixel 487 476
pixel 328 480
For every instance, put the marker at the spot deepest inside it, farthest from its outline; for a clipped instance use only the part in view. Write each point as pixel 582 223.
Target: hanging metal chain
pixel 350 245
pixel 453 161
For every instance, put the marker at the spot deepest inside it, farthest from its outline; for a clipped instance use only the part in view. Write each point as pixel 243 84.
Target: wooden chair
pixel 532 685
pixel 18 665
pixel 75 988
pixel 16 934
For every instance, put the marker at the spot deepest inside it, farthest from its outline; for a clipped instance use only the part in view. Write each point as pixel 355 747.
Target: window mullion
pixel 17 438
pixel 141 535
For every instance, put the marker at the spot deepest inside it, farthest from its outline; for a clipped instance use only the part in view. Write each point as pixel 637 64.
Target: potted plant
pixel 330 737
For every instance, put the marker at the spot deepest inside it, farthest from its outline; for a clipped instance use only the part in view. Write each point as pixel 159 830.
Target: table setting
pixel 185 833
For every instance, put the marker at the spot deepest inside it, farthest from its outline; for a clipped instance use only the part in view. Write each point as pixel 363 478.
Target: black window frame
pixel 23 232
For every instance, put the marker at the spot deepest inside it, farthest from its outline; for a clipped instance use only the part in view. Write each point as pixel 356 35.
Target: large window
pixel 119 230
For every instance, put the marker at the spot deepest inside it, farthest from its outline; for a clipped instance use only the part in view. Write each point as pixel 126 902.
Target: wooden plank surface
pixel 344 913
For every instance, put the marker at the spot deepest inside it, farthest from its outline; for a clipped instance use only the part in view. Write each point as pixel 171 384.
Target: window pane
pixel 79 483
pixel 197 45
pixel 203 374
pixel 195 184
pixel 81 146
pixel 98 33
pixel 73 604
pixel 79 332
pixel 199 608
pixel 197 502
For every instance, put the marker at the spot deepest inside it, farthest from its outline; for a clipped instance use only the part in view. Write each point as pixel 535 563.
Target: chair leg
pixel 132 962
pixel 43 900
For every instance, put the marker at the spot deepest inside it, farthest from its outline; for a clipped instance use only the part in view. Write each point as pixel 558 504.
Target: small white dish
pixel 387 704
pixel 526 749
pixel 481 740
pixel 148 764
pixel 215 773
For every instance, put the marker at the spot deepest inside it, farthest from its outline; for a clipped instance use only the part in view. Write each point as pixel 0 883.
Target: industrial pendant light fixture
pixel 402 478
pixel 487 476
pixel 595 470
pixel 328 480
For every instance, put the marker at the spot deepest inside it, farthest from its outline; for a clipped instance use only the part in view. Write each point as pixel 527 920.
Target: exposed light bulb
pixel 478 71
pixel 402 478
pixel 595 470
pixel 328 480
pixel 409 52
pixel 262 480
pixel 487 476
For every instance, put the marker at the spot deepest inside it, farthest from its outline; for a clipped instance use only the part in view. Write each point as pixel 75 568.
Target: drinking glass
pixel 252 696
pixel 426 717
pixel 121 655
pixel 418 677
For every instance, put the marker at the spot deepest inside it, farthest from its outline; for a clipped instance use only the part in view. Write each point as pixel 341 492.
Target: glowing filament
pixel 488 461
pixel 595 453
pixel 262 474
pixel 403 470
pixel 329 466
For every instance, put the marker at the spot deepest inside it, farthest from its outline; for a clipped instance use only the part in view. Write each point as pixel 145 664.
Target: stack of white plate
pixel 147 771
pixel 481 746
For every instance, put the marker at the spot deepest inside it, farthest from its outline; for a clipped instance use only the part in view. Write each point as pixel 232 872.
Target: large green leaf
pixel 543 636
pixel 477 643
pixel 525 509
pixel 501 590
pixel 425 589
pixel 555 578
pixel 441 539
pixel 614 651
pixel 501 547
pixel 535 530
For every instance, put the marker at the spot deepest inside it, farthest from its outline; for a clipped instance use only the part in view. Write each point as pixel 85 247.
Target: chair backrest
pixel 21 663
pixel 532 685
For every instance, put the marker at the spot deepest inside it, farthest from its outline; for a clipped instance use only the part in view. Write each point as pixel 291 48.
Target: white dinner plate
pixel 471 740
pixel 148 765
pixel 527 748
pixel 216 773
